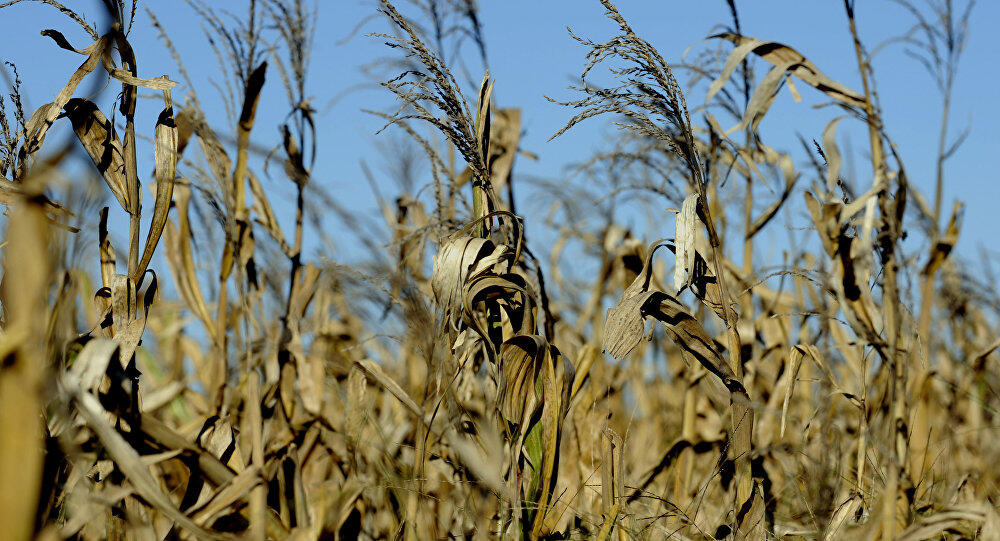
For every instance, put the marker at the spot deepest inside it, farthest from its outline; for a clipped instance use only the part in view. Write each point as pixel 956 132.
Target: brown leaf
pixel 42 119
pixel 61 40
pixel 108 263
pixel 156 83
pixel 763 97
pixel 792 371
pixel 228 494
pixel 128 460
pixel 624 324
pixel 178 244
pixel 101 142
pixel 522 359
pixel 796 64
pixel 452 266
pixel 685 233
pixel 166 170
pixel 832 153
pixel 943 247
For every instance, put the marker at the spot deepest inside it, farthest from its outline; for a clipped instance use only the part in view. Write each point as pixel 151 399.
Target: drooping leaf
pixel 522 358
pixel 166 170
pixel 832 153
pixel 101 142
pixel 452 266
pixel 796 64
pixel 735 58
pixel 41 120
pixel 763 97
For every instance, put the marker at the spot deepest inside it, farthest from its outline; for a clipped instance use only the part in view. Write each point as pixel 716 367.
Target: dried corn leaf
pixel 557 376
pixel 302 295
pixel 162 436
pixel 584 361
pixel 215 154
pixel 128 328
pixel 833 160
pixel 452 265
pixel 309 376
pixel 230 493
pixel 218 437
pixel 61 40
pixel 797 65
pixel 943 247
pixel 227 495
pixel 522 358
pixel 101 142
pixel 166 169
pixel 108 263
pixel 948 520
pixel 178 244
pixel 156 83
pixel 480 464
pixel 128 460
pixel 265 216
pixel 624 324
pixel 92 363
pixel 763 97
pixel 41 120
pixel 685 234
pixel 735 58
pixel 514 296
pixel 376 373
pixel 792 373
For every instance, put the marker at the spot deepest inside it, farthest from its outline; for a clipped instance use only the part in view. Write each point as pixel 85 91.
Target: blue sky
pixel 531 55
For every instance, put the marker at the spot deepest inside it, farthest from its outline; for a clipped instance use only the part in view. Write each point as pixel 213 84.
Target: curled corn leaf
pixel 452 266
pixel 790 59
pixel 523 360
pixel 99 139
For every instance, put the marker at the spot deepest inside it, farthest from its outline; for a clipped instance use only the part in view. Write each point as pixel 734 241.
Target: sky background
pixel 531 55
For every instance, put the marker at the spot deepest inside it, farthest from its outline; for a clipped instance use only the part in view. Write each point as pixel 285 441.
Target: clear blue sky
pixel 531 55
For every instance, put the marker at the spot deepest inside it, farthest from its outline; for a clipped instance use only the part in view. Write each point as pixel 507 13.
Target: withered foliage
pixel 478 373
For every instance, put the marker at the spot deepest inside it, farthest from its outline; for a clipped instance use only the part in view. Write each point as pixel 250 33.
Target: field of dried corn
pixel 486 374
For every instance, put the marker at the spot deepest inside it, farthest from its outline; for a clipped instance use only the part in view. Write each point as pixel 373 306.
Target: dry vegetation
pixel 847 391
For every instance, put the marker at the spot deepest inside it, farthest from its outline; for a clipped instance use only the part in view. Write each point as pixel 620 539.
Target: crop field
pixel 703 335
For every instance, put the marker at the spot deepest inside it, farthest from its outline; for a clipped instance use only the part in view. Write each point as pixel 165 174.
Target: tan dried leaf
pixel 763 97
pixel 522 359
pixel 783 55
pixel 166 170
pixel 452 266
pixel 624 324
pixel 832 153
pixel 156 83
pixel 101 142
pixel 128 460
pixel 685 237
pixel 42 119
